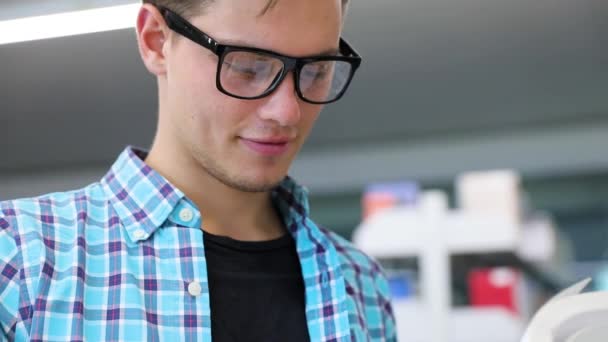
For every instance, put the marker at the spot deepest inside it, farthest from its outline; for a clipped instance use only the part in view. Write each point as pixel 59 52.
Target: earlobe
pixel 151 38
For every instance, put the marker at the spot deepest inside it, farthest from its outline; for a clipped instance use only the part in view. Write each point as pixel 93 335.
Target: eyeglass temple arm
pixel 178 24
pixel 347 50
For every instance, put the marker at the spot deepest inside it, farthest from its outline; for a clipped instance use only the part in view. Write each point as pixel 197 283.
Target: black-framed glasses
pixel 251 73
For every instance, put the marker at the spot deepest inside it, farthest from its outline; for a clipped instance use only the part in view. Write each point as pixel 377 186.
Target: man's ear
pixel 152 34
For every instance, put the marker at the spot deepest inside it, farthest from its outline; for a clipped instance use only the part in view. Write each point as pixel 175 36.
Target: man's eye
pixel 248 70
pixel 317 75
pixel 262 59
pixel 317 71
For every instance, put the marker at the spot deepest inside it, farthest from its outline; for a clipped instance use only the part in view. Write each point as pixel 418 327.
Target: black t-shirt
pixel 256 290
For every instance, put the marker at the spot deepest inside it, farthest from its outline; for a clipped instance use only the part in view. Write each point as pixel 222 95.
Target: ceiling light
pixel 68 24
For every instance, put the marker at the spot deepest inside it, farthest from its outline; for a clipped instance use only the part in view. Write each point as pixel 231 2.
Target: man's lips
pixel 267 146
pixel 275 141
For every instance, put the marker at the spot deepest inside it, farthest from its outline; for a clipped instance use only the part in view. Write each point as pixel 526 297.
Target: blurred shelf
pixel 483 240
pixel 437 237
pixel 403 232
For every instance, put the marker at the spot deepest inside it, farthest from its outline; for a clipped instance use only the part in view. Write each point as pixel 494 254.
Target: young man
pixel 204 236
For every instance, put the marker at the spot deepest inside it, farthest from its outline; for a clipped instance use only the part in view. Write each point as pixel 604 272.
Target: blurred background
pixel 469 157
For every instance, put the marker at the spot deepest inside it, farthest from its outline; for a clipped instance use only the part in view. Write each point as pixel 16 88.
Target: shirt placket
pixel 196 314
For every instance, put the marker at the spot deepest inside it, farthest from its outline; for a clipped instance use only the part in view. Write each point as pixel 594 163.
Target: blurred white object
pixel 593 334
pixel 571 316
pixel 434 201
pixel 406 232
pixel 68 24
pixel 539 239
pixel 495 193
pixel 416 323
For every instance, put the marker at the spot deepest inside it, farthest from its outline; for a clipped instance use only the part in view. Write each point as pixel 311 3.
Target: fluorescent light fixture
pixel 68 24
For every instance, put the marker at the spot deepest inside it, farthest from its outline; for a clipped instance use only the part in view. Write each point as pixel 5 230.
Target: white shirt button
pixel 194 288
pixel 186 215
pixel 139 234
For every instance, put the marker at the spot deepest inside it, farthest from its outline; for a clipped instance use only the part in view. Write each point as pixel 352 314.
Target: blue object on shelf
pixel 400 285
pixel 405 193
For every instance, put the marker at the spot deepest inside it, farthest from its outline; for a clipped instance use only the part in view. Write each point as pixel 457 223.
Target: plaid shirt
pixel 116 261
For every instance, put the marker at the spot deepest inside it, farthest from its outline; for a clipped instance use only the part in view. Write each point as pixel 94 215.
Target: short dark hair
pixel 189 8
pixel 186 8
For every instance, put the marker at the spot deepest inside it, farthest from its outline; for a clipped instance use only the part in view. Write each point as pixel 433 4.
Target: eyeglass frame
pixel 181 26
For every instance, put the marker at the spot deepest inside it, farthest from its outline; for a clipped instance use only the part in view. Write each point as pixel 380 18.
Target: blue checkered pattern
pixel 113 262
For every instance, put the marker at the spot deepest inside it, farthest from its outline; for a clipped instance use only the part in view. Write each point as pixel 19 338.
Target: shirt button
pixel 194 288
pixel 186 215
pixel 139 234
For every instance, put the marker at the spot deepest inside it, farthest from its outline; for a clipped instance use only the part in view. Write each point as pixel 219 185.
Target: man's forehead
pixel 271 3
pixel 265 7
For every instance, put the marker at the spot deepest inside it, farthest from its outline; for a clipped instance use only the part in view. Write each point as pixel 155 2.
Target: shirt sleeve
pixel 10 266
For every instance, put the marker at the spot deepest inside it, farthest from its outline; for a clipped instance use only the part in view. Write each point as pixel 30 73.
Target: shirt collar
pixel 140 196
pixel 143 199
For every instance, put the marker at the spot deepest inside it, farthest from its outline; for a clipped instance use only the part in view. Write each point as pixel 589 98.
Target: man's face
pixel 246 144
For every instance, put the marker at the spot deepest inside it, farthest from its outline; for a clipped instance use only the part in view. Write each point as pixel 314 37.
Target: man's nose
pixel 283 105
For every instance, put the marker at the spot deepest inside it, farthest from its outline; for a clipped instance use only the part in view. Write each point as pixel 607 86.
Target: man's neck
pixel 225 211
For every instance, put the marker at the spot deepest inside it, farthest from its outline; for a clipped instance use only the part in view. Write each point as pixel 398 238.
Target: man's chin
pixel 256 187
pixel 247 179
pixel 254 184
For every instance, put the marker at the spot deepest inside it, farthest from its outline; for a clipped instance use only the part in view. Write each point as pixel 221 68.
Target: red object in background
pixel 496 287
pixel 380 196
pixel 376 202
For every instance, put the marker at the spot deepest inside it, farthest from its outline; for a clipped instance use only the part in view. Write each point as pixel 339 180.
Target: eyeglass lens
pixel 251 74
